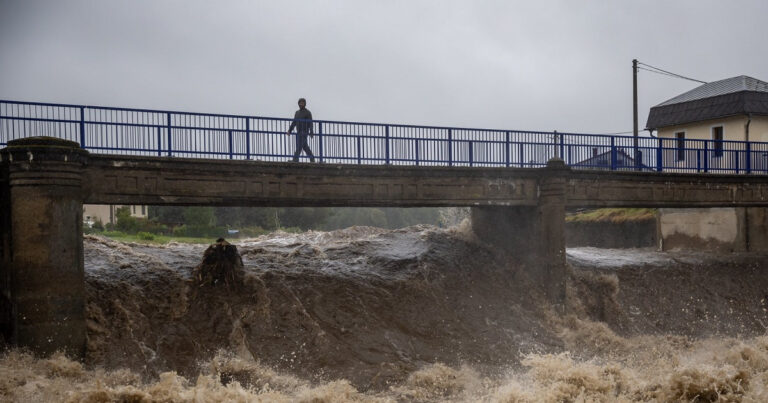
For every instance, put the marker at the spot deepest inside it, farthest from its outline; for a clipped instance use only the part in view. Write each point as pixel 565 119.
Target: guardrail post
pixel 736 157
pixel 450 147
pixel 168 125
pixel 554 144
pixel 706 156
pixel 698 160
pixel 320 140
pixel 506 149
pixel 471 154
pixel 82 127
pixel 159 142
pixel 247 138
pixel 386 144
pixel 748 159
pixel 417 152
pixel 522 161
pixel 613 153
pixel 659 156
pixel 359 150
pixel 231 155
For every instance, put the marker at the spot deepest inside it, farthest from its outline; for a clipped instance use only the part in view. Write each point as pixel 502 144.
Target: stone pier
pixel 43 294
pixel 533 235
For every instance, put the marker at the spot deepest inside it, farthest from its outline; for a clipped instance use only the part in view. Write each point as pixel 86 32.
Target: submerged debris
pixel 221 263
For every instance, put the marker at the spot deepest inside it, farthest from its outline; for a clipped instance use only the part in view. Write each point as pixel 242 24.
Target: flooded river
pixel 417 314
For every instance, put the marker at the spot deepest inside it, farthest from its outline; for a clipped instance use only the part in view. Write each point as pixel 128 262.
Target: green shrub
pixel 151 226
pixel 133 225
pixel 98 225
pixel 125 222
pixel 146 236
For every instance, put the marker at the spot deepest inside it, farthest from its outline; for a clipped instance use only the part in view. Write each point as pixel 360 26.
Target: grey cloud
pixel 561 65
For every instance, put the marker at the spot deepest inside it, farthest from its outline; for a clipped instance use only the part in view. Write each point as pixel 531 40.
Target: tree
pixel 198 216
pixel 125 222
pixel 304 217
pixel 173 215
pixel 234 217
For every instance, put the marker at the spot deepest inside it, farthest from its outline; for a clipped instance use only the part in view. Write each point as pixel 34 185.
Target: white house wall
pixel 733 129
pixel 758 129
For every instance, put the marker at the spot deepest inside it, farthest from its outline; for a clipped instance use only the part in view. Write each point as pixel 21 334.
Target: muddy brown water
pixel 418 314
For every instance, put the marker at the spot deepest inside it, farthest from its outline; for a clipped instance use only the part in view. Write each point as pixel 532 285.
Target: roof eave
pixel 721 106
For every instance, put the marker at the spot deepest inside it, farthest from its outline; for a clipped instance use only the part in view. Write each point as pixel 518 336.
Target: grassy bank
pixel 614 215
pixel 153 238
pixel 159 239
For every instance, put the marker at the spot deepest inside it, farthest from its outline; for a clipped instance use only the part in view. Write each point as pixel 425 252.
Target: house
pixel 734 109
pixel 731 109
pixel 603 161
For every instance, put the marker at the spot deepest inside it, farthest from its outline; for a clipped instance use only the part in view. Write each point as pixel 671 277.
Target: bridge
pixel 58 157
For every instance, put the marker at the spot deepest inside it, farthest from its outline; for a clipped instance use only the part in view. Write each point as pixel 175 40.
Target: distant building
pixel 106 213
pixel 603 161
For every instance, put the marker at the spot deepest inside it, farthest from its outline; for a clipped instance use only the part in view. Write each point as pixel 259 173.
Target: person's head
pixel 302 103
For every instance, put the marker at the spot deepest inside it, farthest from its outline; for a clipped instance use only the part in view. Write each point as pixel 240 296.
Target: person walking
pixel 302 122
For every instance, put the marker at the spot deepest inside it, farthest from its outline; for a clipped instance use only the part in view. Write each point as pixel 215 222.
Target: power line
pixel 627 132
pixel 657 72
pixel 671 73
pixel 611 133
pixel 668 73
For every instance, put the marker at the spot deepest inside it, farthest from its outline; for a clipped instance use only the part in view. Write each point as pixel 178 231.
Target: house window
pixel 143 210
pixel 717 137
pixel 680 136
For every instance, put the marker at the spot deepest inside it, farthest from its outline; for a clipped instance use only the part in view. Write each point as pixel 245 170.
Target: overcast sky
pixel 533 65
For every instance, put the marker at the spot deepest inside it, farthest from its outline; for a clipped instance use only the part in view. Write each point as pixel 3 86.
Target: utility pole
pixel 634 113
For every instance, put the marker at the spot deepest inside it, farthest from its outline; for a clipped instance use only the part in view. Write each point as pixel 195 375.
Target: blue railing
pixel 108 130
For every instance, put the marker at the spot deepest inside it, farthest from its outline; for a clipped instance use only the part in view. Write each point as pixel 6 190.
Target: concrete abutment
pixel 43 277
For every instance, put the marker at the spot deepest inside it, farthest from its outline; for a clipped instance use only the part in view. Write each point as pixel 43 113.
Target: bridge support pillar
pixel 44 287
pixel 533 234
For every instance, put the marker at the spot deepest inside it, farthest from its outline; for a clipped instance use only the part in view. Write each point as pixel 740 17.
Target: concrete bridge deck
pixel 179 181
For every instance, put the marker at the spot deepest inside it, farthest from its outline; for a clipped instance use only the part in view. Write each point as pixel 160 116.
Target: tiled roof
pixel 722 87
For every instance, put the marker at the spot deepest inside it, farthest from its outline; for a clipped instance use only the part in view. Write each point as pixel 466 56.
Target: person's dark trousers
pixel 302 144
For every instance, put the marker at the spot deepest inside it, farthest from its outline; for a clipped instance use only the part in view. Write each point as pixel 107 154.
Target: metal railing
pixel 108 130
